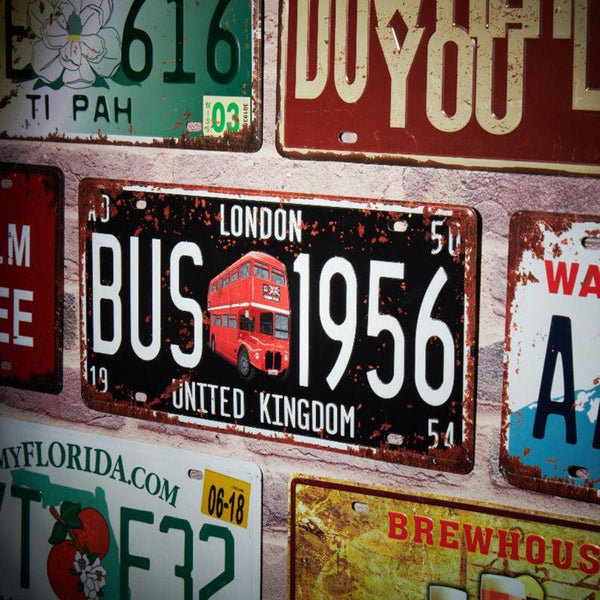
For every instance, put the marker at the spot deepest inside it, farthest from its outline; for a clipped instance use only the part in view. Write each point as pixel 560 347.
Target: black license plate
pixel 330 322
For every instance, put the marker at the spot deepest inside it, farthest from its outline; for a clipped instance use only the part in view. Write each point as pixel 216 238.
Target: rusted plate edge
pixel 54 384
pixel 457 460
pixel 414 160
pixel 514 471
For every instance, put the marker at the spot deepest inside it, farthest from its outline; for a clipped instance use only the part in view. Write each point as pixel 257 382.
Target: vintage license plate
pixel 551 430
pixel 180 73
pixel 31 277
pixel 331 322
pixel 463 84
pixel 350 541
pixel 86 516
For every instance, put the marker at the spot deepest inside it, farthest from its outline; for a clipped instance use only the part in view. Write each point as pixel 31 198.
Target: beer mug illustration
pixel 442 592
pixel 499 587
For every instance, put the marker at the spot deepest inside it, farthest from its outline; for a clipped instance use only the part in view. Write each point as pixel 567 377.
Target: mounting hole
pixel 399 226
pixel 578 472
pixel 194 126
pixel 6 184
pixel 195 474
pixel 5 365
pixel 348 137
pixel 396 439
pixel 141 204
pixel 591 243
pixel 360 507
pixel 141 397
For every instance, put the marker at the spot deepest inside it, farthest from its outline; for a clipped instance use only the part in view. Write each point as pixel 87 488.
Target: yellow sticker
pixel 225 114
pixel 225 498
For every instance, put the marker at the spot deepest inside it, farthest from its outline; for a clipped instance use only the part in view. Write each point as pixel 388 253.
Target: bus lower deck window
pixel 266 323
pixel 246 324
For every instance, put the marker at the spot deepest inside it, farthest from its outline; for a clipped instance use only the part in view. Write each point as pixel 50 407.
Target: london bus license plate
pixel 551 433
pixel 354 541
pixel 31 276
pixel 462 84
pixel 332 322
pixel 86 516
pixel 179 73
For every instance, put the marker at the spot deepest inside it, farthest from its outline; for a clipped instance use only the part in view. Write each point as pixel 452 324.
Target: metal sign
pixel 551 432
pixel 330 322
pixel 351 541
pixel 183 73
pixel 86 516
pixel 31 277
pixel 438 82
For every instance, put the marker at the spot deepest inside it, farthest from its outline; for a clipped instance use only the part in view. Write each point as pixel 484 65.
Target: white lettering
pixel 351 91
pixel 186 359
pixel 18 247
pixel 307 415
pixel 109 293
pixel 20 316
pixel 150 351
pixel 261 223
pixel 312 88
pixel 399 58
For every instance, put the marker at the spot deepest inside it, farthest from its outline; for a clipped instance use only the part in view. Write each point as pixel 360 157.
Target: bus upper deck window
pixel 278 277
pixel 225 281
pixel 266 323
pixel 245 270
pixel 261 271
pixel 235 276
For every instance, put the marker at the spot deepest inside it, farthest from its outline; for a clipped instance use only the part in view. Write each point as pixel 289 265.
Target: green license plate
pixel 178 73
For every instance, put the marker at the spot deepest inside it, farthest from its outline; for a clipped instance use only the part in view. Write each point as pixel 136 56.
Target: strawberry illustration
pixel 80 540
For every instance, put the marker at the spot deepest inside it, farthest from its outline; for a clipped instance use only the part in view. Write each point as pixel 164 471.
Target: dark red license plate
pixel 468 83
pixel 31 277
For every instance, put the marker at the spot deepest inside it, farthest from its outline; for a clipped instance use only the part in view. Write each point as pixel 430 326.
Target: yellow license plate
pixel 350 542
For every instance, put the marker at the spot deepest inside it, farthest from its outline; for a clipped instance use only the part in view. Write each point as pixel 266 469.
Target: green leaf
pixel 59 533
pixel 80 586
pixel 69 511
pixel 73 572
pixel 26 74
pixel 100 83
pixel 92 557
pixel 120 78
pixel 55 85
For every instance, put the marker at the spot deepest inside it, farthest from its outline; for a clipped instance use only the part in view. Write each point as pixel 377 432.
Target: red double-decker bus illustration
pixel 249 310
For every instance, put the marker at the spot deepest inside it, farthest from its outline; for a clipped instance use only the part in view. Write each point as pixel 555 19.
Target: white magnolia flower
pixel 82 565
pixel 73 41
pixel 95 580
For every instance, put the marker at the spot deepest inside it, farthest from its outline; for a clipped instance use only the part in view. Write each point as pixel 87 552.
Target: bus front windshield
pixel 281 329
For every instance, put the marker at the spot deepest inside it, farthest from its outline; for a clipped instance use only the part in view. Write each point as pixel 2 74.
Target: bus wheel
pixel 243 363
pixel 212 344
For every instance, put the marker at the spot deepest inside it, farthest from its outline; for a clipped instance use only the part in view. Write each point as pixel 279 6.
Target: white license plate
pixel 551 433
pixel 84 517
